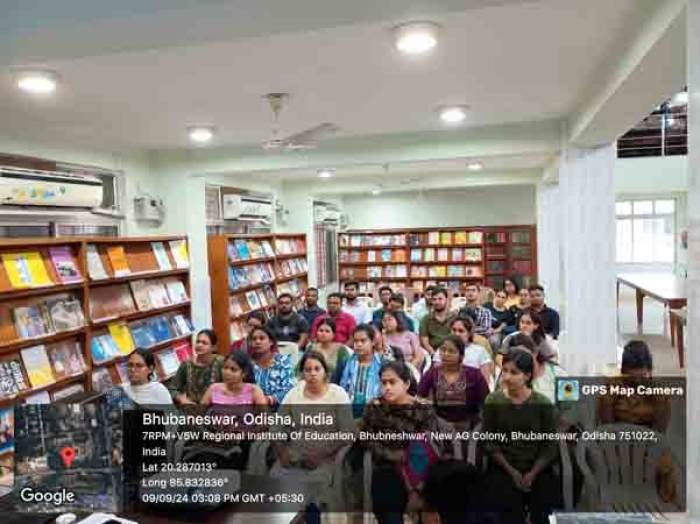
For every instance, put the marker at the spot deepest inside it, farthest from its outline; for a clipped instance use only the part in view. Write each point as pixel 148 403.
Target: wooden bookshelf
pixel 416 258
pixel 248 272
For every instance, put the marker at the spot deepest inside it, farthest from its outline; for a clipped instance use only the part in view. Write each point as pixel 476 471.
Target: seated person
pixel 531 325
pixel 396 334
pixel 643 410
pixel 397 303
pixel 273 371
pixel 457 391
pixel 396 481
pixel 334 352
pixel 520 472
pixel 194 376
pixel 517 310
pixel 344 322
pixel 287 324
pixel 253 320
pixel 480 315
pixel 474 355
pixel 501 318
pixel 549 316
pixel 312 460
pixel 385 293
pixel 141 368
pixel 359 375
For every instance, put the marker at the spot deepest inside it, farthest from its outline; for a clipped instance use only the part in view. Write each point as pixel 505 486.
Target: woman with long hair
pixel 334 352
pixel 194 376
pixel 273 371
pixel 359 376
pixel 238 386
pixel 397 334
pixel 531 325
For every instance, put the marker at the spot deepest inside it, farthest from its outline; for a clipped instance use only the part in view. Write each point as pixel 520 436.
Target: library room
pixel 350 262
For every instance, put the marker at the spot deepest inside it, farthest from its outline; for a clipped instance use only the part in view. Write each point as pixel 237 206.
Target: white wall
pixel 483 206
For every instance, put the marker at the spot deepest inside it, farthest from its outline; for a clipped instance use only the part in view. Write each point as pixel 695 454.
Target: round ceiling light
pixel 415 38
pixel 453 114
pixel 37 82
pixel 376 191
pixel 325 173
pixel 200 134
pixel 475 166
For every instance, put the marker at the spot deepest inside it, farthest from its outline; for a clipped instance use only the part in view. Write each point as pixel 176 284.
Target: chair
pixel 289 348
pixel 620 475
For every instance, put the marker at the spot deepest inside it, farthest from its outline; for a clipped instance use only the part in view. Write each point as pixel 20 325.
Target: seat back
pixel 289 348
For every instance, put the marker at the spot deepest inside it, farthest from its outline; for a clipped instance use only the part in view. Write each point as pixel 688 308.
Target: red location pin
pixel 67 454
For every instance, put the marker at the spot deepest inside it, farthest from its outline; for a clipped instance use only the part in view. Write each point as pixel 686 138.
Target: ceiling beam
pixel 648 68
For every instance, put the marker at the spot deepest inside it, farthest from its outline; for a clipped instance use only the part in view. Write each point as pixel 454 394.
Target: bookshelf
pixel 248 272
pixel 416 258
pixel 57 304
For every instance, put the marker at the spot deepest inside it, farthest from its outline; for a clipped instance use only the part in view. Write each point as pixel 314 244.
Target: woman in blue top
pixel 359 375
pixel 274 372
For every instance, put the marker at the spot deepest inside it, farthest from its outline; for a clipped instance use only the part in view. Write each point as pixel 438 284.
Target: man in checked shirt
pixel 480 315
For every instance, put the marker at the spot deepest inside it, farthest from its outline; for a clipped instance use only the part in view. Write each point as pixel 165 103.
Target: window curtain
pixel 549 243
pixel 587 195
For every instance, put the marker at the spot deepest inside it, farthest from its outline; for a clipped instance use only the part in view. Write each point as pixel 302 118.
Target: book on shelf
pixel 9 386
pixel 32 321
pixel 455 271
pixel 232 252
pixel 139 289
pixel 475 237
pixel 495 238
pixel 26 270
pixel 117 258
pixel 401 271
pixel 344 240
pixel 243 251
pixel 262 298
pixel 168 361
pixel 355 256
pixel 419 271
pixel 434 237
pixel 66 313
pixel 268 252
pixel 40 397
pixel 36 363
pixel 7 421
pixel 122 337
pixel 414 239
pixel 157 294
pixel 356 241
pixel 437 271
pixel 520 237
pixel 68 391
pixel 460 237
pixel 161 328
pixel 522 266
pixel 416 255
pixel 178 248
pixel 111 302
pixel 472 254
pixel 374 272
pixel 103 348
pixel 236 331
pixel 446 238
pixel 65 265
pixel 399 255
pixel 270 294
pixel 443 255
pixel 429 255
pixel 183 350
pixel 255 249
pixel 123 372
pixel 161 256
pixel 101 380
pixel 234 306
pixel 67 359
pixel 386 255
pixel 182 325
pixel 252 298
pixel 343 256
pixel 473 271
pixel 96 269
pixel 141 334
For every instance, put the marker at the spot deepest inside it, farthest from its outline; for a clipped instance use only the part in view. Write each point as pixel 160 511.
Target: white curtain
pixel 587 196
pixel 549 243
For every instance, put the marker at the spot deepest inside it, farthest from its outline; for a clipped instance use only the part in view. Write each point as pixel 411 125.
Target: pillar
pixel 549 244
pixel 587 196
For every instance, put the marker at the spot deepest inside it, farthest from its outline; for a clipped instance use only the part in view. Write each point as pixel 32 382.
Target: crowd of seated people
pixel 467 368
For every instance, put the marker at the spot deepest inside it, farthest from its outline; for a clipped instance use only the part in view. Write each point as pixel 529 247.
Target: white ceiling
pixel 515 62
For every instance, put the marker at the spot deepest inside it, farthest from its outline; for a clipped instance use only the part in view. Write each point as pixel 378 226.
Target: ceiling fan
pixel 298 141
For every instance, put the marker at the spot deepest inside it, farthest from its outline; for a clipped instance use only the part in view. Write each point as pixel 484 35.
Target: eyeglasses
pixel 135 366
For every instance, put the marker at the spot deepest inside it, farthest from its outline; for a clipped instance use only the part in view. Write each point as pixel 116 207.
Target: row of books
pixel 249 250
pixel 446 255
pixel 385 255
pixel 372 240
pixel 51 315
pixel 122 299
pixel 120 265
pixel 446 271
pixel 452 286
pixel 294 287
pixel 294 266
pixel 251 300
pixel 27 269
pixel 239 277
pixel 289 246
pixel 374 272
pixel 43 365
pixel 121 338
pixel 446 238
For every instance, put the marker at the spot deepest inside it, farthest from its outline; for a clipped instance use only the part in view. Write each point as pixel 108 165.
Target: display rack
pixel 63 300
pixel 416 258
pixel 248 272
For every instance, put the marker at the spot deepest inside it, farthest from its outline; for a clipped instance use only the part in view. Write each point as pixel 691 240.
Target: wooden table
pixel 665 288
pixel 678 319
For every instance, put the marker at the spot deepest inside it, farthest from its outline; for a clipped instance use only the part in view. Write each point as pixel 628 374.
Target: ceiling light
pixel 37 82
pixel 415 38
pixel 453 114
pixel 200 134
pixel 376 191
pixel 325 173
pixel 475 166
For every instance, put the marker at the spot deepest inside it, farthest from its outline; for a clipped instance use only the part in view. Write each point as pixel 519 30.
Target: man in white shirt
pixel 422 307
pixel 359 310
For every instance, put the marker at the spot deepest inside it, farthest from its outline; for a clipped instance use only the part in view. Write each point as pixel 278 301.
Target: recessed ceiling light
pixel 37 82
pixel 415 38
pixel 376 191
pixel 325 173
pixel 453 114
pixel 475 166
pixel 200 134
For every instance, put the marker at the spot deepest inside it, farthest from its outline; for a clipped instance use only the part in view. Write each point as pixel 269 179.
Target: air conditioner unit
pixel 25 187
pixel 241 207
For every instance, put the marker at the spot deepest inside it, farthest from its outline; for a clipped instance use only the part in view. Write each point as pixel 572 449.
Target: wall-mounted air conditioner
pixel 243 207
pixel 24 187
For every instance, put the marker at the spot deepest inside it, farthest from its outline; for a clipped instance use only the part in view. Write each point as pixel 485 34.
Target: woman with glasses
pixel 141 390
